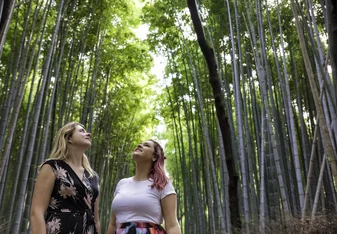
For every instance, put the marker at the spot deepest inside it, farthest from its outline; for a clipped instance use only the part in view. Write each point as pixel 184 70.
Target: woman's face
pixel 144 151
pixel 80 137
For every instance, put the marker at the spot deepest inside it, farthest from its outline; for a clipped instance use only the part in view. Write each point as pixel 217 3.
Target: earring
pixel 153 159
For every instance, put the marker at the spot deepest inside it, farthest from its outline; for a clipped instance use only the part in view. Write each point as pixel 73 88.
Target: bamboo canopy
pixel 241 94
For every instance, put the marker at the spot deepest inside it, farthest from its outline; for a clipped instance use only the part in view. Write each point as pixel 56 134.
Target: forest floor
pixel 323 224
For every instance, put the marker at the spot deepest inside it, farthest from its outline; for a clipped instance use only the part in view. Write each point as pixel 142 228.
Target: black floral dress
pixel 71 206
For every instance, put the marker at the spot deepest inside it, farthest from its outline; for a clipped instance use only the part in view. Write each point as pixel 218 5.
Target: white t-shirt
pixel 136 201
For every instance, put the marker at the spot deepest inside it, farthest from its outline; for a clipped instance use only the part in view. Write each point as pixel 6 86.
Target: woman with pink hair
pixel 143 201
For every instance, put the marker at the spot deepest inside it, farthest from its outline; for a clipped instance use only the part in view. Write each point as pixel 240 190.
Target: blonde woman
pixel 65 198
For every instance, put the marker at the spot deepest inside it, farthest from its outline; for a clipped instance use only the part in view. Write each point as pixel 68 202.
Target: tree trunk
pixel 240 127
pixel 310 174
pixel 263 204
pixel 318 189
pixel 21 82
pixel 40 95
pixel 331 6
pixel 214 80
pixel 6 13
pixel 321 118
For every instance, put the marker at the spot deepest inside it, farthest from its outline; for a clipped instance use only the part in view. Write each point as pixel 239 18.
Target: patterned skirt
pixel 140 228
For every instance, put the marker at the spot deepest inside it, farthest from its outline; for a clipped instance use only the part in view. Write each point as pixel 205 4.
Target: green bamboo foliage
pixel 6 14
pixel 256 53
pixel 15 228
pixel 326 138
pixel 331 22
pixel 64 61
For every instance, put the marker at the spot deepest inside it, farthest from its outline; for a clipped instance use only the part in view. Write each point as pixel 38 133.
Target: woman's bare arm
pixel 112 224
pixel 169 207
pixel 42 192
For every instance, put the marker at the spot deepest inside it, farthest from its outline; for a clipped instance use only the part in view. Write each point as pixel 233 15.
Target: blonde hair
pixel 61 150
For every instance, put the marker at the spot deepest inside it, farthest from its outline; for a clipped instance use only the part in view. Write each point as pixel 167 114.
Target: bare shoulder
pixel 46 172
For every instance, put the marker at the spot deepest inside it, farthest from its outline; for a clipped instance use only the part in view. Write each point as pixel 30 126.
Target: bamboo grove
pixel 248 101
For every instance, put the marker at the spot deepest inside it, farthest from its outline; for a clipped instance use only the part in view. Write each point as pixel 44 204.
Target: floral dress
pixel 71 206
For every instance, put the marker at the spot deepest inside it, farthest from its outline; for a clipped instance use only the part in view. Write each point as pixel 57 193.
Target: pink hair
pixel 157 172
